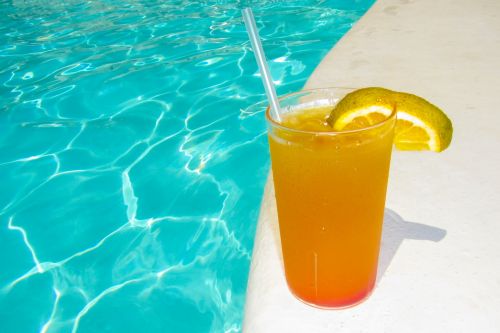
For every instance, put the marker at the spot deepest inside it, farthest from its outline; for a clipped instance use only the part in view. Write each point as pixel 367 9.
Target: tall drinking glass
pixel 330 193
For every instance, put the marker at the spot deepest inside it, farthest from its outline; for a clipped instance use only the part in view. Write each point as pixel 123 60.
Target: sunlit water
pixel 131 171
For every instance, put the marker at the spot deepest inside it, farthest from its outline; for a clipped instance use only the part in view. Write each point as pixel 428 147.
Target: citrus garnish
pixel 420 125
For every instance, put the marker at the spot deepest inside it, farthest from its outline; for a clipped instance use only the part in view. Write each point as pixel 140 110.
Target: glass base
pixel 335 307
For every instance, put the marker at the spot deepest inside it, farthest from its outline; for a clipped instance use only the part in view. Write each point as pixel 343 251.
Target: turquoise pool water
pixel 131 171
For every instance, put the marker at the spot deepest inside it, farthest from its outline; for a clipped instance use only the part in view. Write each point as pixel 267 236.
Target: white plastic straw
pixel 253 33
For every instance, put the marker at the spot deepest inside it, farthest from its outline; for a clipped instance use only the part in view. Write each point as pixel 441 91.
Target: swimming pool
pixel 131 168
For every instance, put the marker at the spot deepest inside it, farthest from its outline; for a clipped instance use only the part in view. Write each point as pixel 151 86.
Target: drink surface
pixel 310 119
pixel 330 191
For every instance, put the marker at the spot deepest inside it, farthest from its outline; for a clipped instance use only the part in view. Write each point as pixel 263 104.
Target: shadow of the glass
pixel 395 231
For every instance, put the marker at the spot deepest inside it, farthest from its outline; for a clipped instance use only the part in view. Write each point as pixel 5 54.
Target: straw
pixel 253 33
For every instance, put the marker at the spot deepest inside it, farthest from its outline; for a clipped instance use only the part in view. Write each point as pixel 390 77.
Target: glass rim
pixel 276 124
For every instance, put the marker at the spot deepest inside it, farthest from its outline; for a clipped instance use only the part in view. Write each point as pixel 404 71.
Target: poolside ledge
pixel 439 266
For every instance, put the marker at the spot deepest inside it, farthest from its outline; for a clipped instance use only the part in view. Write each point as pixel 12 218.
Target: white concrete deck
pixel 440 257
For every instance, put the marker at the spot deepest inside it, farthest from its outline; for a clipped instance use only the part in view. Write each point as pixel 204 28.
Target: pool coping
pixel 438 245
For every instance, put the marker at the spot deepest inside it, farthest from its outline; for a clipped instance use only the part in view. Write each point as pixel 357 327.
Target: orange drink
pixel 330 193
